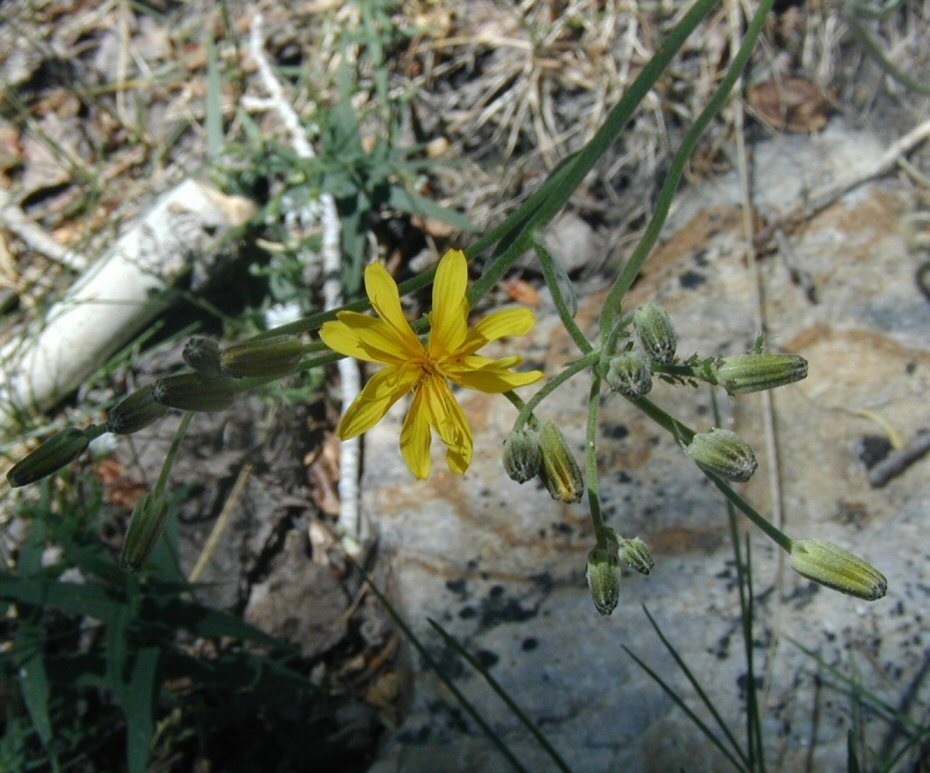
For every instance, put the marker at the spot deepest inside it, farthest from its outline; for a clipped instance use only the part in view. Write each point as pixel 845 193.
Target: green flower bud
pixel 134 412
pixel 522 455
pixel 56 452
pixel 193 392
pixel 830 565
pixel 744 373
pixel 274 357
pixel 203 355
pixel 560 471
pixel 603 573
pixel 655 331
pixel 723 453
pixel 635 554
pixel 628 373
pixel 145 527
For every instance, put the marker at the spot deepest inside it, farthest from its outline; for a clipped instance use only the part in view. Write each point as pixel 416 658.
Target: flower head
pixel 426 368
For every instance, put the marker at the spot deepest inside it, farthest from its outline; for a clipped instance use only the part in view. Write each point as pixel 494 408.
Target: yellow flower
pixel 426 369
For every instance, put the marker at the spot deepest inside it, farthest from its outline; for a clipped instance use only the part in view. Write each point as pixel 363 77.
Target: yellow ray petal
pixel 446 415
pixel 486 375
pixel 382 292
pixel 383 389
pixel 506 322
pixel 415 437
pixel 449 317
pixel 364 337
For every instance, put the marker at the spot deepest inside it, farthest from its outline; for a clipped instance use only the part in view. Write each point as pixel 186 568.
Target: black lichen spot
pixel 467 613
pixel 910 368
pixel 543 581
pixel 691 279
pixel 496 592
pixel 871 449
pixel 622 477
pixel 497 609
pixel 617 431
pixel 487 658
pixel 529 644
pixel 700 258
pixel 458 587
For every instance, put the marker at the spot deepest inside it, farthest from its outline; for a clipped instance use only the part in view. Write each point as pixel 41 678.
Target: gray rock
pixel 502 567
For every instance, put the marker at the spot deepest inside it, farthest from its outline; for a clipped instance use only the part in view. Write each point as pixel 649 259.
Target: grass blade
pixel 684 707
pixel 139 708
pixel 698 689
pixel 33 680
pixel 502 694
pixel 214 104
pixel 462 700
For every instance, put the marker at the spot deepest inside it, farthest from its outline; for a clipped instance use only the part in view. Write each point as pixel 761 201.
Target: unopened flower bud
pixel 134 412
pixel 522 456
pixel 742 373
pixel 276 356
pixel 560 471
pixel 628 373
pixel 830 565
pixel 56 452
pixel 203 355
pixel 723 453
pixel 603 573
pixel 193 392
pixel 145 527
pixel 635 554
pixel 655 331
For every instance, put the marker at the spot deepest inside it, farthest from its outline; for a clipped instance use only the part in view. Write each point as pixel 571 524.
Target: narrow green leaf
pixel 73 598
pixel 444 678
pixel 403 200
pixel 711 736
pixel 852 759
pixel 139 708
pixel 117 651
pixel 33 681
pixel 503 695
pixel 214 103
pixel 705 699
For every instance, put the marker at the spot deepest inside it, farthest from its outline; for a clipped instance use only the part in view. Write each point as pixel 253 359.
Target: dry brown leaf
pixel 118 488
pixel 789 104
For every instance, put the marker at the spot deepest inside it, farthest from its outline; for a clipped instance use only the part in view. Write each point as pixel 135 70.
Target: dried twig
pixel 14 220
pixel 332 260
pixel 896 463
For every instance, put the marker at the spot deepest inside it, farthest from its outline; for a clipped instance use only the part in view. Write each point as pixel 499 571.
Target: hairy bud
pixel 56 452
pixel 134 412
pixel 723 453
pixel 603 574
pixel 193 392
pixel 628 373
pixel 145 527
pixel 744 373
pixel 654 328
pixel 275 357
pixel 560 471
pixel 831 565
pixel 203 355
pixel 635 554
pixel 522 455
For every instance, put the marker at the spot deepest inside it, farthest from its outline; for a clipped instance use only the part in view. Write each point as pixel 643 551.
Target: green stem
pixel 520 404
pixel 548 267
pixel 594 499
pixel 670 186
pixel 683 434
pixel 570 370
pixel 172 453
